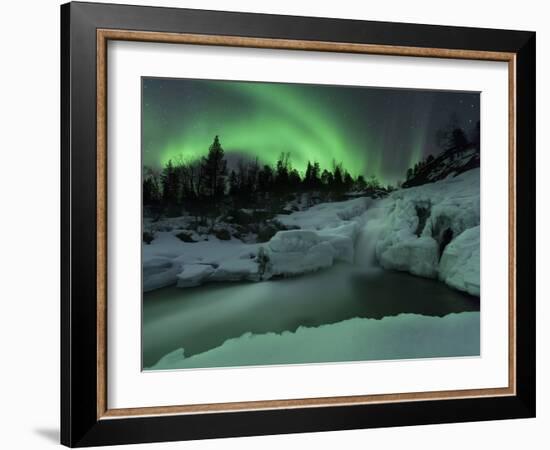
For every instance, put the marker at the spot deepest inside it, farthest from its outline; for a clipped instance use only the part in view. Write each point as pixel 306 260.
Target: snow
pixel 450 207
pixel 326 215
pixel 169 261
pixel 400 337
pixel 418 256
pixel 296 252
pixel 459 266
pixel 237 270
pixel 430 230
pixel 159 272
pixel 342 239
pixel 194 274
pixel 328 233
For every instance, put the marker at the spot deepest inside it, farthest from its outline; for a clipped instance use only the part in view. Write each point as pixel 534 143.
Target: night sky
pixel 371 131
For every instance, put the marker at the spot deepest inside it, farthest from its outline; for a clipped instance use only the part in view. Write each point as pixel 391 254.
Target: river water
pixel 202 318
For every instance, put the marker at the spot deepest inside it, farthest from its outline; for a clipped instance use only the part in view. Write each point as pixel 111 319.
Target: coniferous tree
pixel 252 176
pixel 170 185
pixel 458 139
pixel 348 181
pixel 373 183
pixel 214 170
pixel 282 171
pixel 327 179
pixel 476 135
pixel 316 175
pixel 338 178
pixel 265 179
pixel 308 177
pixel 151 194
pixel 151 191
pixel 294 180
pixel 360 183
pixel 452 136
pixel 233 183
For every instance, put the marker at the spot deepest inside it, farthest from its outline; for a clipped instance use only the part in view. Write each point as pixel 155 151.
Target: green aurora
pixel 371 131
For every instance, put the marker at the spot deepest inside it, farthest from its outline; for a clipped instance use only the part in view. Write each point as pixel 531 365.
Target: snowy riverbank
pixel 430 230
pixel 389 338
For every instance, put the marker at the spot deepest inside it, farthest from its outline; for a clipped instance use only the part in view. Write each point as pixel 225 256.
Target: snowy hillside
pixel 449 163
pixel 430 231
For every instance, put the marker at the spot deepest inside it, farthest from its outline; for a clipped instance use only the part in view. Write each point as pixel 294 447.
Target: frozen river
pixel 203 318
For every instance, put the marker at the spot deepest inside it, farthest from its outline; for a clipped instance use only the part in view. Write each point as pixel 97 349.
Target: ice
pixel 418 256
pixel 418 225
pixel 343 240
pixel 400 337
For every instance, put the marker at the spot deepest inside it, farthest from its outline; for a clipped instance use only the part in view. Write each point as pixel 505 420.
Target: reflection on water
pixel 202 318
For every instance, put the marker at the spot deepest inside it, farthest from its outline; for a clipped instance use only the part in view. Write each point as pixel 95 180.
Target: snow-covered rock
pixel 159 272
pixel 236 270
pixel 326 215
pixel 420 230
pixel 194 275
pixel 295 252
pixel 459 265
pixel 430 230
pixel 343 240
pixel 418 256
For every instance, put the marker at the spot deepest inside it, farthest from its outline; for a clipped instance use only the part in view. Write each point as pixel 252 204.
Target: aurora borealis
pixel 371 131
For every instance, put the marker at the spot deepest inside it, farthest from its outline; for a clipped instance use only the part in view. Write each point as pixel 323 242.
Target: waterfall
pixel 365 245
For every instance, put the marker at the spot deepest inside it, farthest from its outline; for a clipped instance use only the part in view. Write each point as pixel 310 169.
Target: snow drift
pixel 399 337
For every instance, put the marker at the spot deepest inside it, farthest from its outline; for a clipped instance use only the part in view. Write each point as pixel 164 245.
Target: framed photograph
pixel 277 224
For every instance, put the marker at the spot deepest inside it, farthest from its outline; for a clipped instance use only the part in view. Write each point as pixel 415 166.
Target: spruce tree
pixel 151 194
pixel 282 171
pixel 308 176
pixel 170 185
pixel 338 180
pixel 316 176
pixel 265 179
pixel 214 170
pixel 233 183
pixel 327 179
pixel 348 181
pixel 458 139
pixel 360 183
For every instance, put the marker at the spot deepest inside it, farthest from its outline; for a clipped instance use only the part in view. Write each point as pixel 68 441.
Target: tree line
pixel 451 140
pixel 193 182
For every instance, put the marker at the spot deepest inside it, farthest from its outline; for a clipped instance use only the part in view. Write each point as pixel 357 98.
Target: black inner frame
pixel 79 424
